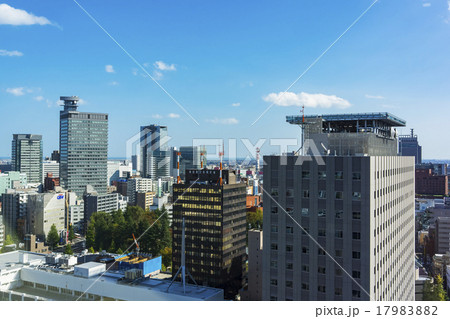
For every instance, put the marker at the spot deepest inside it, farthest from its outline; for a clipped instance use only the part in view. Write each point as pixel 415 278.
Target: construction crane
pixel 221 154
pixel 178 168
pixel 137 246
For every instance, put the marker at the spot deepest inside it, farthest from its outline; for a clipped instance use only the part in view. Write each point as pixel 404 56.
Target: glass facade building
pixel 26 156
pixel 155 152
pixel 83 148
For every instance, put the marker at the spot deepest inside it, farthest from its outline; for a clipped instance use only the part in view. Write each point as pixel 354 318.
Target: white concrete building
pixel 138 185
pixel 50 167
pixel 118 170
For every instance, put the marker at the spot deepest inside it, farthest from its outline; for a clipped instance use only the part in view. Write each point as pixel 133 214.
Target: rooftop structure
pixel 348 134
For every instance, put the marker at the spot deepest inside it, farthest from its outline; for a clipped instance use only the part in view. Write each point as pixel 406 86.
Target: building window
pixel 273 298
pixel 338 291
pixel 275 210
pixel 305 211
pixel 305 250
pixel 290 210
pixel 289 248
pixel 338 214
pixel 356 255
pixel 356 294
pixel 305 268
pixel 305 174
pixel 273 246
pixel 306 193
pixel 320 252
pixel 274 264
pixel 274 192
pixel 289 230
pixel 322 232
pixel 322 174
pixel 321 270
pixel 290 193
pixel 321 289
pixel 289 266
pixel 356 176
pixel 305 286
pixel 356 235
pixel 356 274
pixel 339 175
pixel 273 282
pixel 322 213
pixel 289 284
pixel 339 195
pixel 356 215
pixel 322 194
pixel 356 195
pixel 338 272
pixel 338 253
pixel 339 234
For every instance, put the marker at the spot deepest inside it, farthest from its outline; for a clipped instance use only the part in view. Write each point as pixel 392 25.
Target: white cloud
pixel 134 71
pixel 160 65
pixel 426 4
pixel 306 99
pixel 39 98
pixel 109 68
pixel 236 104
pixel 157 75
pixel 225 121
pixel 448 2
pixel 10 53
pixel 157 116
pixel 376 97
pixel 173 115
pixel 16 91
pixel 13 16
pixel 114 83
pixel 82 102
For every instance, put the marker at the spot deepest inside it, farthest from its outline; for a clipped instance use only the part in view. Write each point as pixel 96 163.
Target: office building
pixel 11 180
pixel 138 185
pixel 144 200
pixel 26 156
pixel 51 167
pixel 118 170
pixel 2 231
pixel 94 202
pixel 154 152
pixel 428 183
pixel 83 148
pixel 45 210
pixel 189 159
pixel 55 156
pixel 354 199
pixel 5 166
pixel 32 244
pixel 14 209
pixel 215 225
pixel 253 291
pixel 408 145
pixel 442 235
pixel 50 182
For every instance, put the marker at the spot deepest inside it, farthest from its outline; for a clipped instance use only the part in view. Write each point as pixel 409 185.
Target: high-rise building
pixel 189 159
pixel 408 145
pixel 354 199
pixel 442 238
pixel 83 148
pixel 26 156
pixel 14 209
pixel 154 152
pixel 138 185
pixel 94 202
pixel 253 291
pixel 215 226
pixel 55 156
pixel 12 180
pixel 51 167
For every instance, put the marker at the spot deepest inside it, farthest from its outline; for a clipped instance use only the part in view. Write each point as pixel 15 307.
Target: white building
pixel 138 185
pixel 50 167
pixel 25 276
pixel 118 170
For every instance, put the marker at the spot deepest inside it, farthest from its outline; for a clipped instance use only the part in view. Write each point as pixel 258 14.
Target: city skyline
pixel 225 68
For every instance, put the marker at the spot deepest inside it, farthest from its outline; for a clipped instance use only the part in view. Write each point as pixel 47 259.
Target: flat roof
pixel 388 118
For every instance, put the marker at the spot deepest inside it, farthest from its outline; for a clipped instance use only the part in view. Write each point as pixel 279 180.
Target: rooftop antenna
pixel 182 268
pixel 302 111
pixel 258 150
pixel 202 154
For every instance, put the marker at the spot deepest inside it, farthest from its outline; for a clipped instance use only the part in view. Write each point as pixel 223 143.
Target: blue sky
pixel 224 62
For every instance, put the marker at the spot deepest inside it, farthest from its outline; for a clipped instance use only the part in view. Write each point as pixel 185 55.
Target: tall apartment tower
pixel 408 145
pixel 154 158
pixel 215 226
pixel 26 156
pixel 356 207
pixel 83 144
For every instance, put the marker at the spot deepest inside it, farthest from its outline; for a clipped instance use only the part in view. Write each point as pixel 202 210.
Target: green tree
pixel 71 233
pixel 91 250
pixel 53 237
pixel 8 240
pixel 255 219
pixel 166 254
pixel 90 235
pixel 68 250
pixel 434 291
pixel 119 251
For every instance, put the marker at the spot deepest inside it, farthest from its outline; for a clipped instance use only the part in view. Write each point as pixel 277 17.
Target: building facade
pixel 215 226
pixel 442 237
pixel 408 145
pixel 154 152
pixel 339 220
pixel 255 264
pixel 429 183
pixel 83 148
pixel 27 156
pixel 11 180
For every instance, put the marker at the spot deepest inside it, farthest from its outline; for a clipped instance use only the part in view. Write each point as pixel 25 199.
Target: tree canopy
pixel 255 219
pixel 434 291
pixel 68 250
pixel 114 231
pixel 53 237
